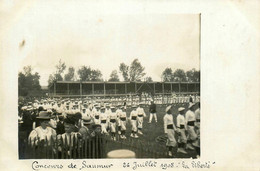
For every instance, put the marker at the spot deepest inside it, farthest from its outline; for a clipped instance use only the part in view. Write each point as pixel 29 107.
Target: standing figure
pixel 133 119
pixel 118 113
pixel 140 119
pixel 42 134
pixel 197 128
pixel 122 117
pixel 181 127
pixel 96 115
pixel 112 123
pixel 190 120
pixel 68 141
pixel 103 121
pixel 152 111
pixel 169 129
pixel 108 113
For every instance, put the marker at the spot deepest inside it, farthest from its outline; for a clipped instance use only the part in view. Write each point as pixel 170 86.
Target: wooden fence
pixel 93 148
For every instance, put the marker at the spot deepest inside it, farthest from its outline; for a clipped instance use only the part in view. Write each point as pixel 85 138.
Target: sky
pixel 101 40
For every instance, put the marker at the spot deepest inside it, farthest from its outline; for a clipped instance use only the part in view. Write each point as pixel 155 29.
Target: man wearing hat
pixel 67 107
pixel 112 122
pixel 67 139
pixel 122 118
pixel 133 119
pixel 85 129
pixel 197 128
pixel 181 127
pixel 103 121
pixel 190 120
pixel 96 115
pixel 118 113
pixel 140 117
pixel 152 111
pixel 60 123
pixel 169 129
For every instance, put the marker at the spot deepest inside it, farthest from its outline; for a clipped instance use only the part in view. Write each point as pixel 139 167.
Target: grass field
pixel 152 130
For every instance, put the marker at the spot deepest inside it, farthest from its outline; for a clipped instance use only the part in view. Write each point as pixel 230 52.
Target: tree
pixel 136 72
pixel 57 76
pixel 28 83
pixel 124 69
pixel 197 76
pixel 148 79
pixel 96 75
pixel 70 76
pixel 179 75
pixel 114 76
pixel 87 74
pixel 60 67
pixel 27 70
pixel 167 75
pixel 84 73
pixel 193 75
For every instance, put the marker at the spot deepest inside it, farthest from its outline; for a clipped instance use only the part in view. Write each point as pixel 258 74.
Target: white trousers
pixel 151 117
pixel 123 125
pixel 113 127
pixel 140 121
pixel 133 123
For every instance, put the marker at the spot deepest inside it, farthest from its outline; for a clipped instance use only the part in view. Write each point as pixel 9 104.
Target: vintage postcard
pixel 130 85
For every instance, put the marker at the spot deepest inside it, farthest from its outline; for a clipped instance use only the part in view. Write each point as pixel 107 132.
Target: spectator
pixel 152 111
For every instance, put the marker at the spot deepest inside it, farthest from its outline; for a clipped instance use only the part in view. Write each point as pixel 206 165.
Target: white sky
pixel 104 40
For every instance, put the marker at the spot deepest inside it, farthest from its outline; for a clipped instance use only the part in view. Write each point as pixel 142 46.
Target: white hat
pixel 168 108
pixel 24 107
pixel 191 104
pixel 181 109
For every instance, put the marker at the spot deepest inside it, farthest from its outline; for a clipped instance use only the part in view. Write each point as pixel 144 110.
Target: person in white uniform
pixel 190 121
pixel 140 117
pixel 118 113
pixel 133 119
pixel 197 128
pixel 181 127
pixel 122 117
pixel 112 123
pixel 169 130
pixel 96 115
pixel 103 121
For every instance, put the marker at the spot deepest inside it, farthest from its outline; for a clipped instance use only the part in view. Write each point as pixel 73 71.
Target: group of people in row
pixel 63 120
pixel 187 128
pixel 48 118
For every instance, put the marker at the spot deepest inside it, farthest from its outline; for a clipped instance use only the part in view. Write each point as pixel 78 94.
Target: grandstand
pixel 95 88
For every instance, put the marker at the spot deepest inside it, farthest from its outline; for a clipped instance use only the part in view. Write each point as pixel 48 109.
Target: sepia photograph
pixel 111 86
pixel 119 85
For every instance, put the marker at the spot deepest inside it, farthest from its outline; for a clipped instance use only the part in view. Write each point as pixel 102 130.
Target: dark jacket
pixel 152 108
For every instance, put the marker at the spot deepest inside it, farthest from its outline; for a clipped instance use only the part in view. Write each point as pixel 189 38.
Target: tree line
pixel 28 81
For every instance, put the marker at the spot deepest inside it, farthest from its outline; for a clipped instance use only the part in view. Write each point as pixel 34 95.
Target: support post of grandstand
pixel 80 88
pixel 68 89
pixel 187 87
pixel 125 88
pixel 153 88
pixel 92 89
pixel 179 87
pixel 115 88
pixel 171 87
pixel 104 88
pixel 163 88
pixel 55 88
